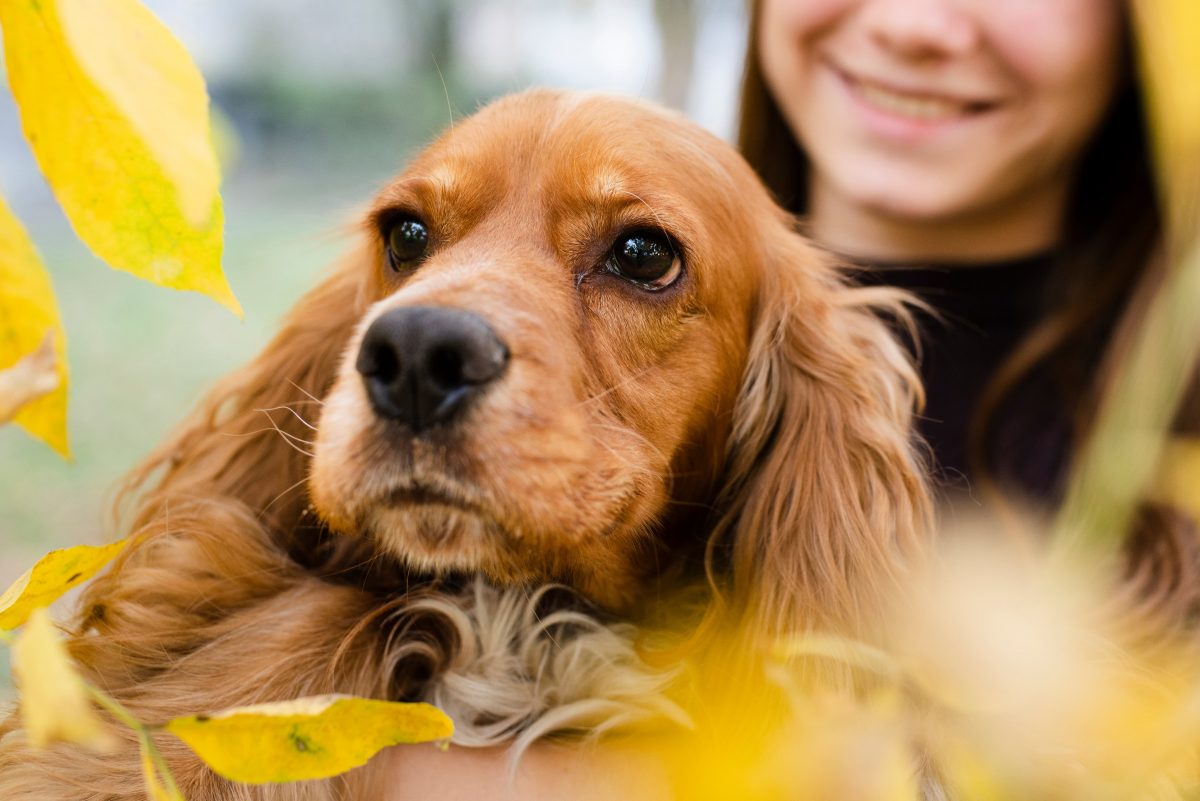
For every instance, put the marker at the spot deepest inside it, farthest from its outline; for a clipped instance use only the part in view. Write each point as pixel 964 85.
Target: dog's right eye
pixel 407 241
pixel 647 258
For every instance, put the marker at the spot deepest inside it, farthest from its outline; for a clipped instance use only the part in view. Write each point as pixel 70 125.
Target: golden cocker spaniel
pixel 577 344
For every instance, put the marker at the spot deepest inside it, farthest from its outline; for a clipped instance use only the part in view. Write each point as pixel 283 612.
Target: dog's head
pixel 580 342
pixel 561 299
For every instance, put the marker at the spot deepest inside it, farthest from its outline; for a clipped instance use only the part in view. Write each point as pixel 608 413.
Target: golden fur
pixel 752 422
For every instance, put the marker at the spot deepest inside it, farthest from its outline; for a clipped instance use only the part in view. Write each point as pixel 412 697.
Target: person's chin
pixel 904 192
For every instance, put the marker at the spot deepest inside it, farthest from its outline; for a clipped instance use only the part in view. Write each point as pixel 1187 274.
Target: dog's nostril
pixel 381 363
pixel 446 368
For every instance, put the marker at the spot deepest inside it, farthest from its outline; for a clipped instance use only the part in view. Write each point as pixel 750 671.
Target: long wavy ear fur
pixel 825 508
pixel 217 515
pixel 248 440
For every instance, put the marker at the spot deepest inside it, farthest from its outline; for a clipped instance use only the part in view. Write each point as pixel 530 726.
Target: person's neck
pixel 1002 233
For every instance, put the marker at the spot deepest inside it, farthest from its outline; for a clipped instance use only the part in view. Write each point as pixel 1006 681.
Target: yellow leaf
pixel 28 311
pixel 32 377
pixel 309 738
pixel 54 574
pixel 1168 31
pixel 117 116
pixel 839 748
pixel 54 702
pixel 1178 481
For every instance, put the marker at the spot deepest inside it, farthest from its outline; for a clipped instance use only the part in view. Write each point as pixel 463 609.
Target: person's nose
pixel 922 29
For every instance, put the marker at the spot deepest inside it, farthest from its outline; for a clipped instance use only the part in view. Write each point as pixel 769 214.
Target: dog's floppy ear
pixel 248 440
pixel 825 506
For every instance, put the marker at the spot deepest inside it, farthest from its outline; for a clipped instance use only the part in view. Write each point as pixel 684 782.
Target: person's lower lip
pixel 889 120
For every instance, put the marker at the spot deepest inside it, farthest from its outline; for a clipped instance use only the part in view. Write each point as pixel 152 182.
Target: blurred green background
pixel 322 103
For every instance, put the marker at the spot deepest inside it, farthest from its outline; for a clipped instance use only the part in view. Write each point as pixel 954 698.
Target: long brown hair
pixel 1107 266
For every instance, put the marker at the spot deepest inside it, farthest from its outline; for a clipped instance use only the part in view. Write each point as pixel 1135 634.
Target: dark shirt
pixel 982 313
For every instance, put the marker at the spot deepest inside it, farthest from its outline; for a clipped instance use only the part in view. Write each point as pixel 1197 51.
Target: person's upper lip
pixel 918 89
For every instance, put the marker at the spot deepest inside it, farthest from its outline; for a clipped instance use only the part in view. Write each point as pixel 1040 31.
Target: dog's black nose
pixel 421 364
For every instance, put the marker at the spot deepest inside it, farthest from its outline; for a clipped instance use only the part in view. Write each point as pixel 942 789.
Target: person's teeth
pixel 921 108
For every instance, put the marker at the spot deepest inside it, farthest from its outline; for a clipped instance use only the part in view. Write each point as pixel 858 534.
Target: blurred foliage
pixel 1123 455
pixel 1000 676
pixel 33 368
pixel 117 115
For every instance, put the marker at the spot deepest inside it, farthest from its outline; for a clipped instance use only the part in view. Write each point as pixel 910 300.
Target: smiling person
pixel 991 158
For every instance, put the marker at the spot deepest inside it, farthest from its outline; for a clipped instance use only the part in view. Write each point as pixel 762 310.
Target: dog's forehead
pixel 588 142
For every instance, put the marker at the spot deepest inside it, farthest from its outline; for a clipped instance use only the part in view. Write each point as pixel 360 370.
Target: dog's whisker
pixel 295 414
pixel 303 401
pixel 294 437
pixel 620 384
pixel 639 436
pixel 257 431
pixel 276 499
pixel 311 396
pixel 632 469
pixel 288 438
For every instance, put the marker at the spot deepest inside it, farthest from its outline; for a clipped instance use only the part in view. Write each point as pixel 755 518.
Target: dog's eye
pixel 407 242
pixel 646 258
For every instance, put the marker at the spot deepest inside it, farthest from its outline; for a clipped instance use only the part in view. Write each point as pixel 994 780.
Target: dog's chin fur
pixel 439 538
pixel 743 436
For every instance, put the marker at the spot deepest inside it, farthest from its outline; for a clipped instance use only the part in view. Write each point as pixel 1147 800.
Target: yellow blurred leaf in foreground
pixel 32 377
pixel 835 747
pixel 117 115
pixel 1178 481
pixel 54 703
pixel 54 574
pixel 1037 685
pixel 28 311
pixel 1168 32
pixel 309 738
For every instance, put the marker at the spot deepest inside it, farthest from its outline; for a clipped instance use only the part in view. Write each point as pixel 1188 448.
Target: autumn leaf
pixel 1117 463
pixel 28 311
pixel 54 702
pixel 54 574
pixel 1178 481
pixel 1170 61
pixel 309 738
pixel 117 115
pixel 838 748
pixel 32 377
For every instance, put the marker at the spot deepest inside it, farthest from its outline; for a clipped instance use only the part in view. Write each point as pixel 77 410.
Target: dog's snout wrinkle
pixel 422 364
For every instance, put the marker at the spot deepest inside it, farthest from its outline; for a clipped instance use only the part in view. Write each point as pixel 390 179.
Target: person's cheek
pixel 790 34
pixel 1065 56
pixel 801 19
pixel 1067 45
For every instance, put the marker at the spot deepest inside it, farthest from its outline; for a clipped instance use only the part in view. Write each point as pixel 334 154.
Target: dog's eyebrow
pixel 607 185
pixel 614 191
pixel 441 181
pixel 428 186
pixel 609 189
pixel 436 189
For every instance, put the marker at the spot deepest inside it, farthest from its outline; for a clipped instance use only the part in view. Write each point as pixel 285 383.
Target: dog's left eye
pixel 649 259
pixel 407 241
